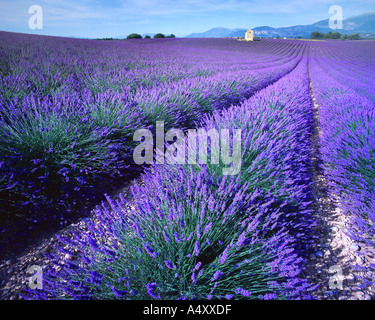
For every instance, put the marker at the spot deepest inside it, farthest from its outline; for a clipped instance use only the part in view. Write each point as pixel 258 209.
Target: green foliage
pixel 171 36
pixel 134 36
pixel 354 36
pixel 317 35
pixel 147 37
pixel 159 35
pixel 334 35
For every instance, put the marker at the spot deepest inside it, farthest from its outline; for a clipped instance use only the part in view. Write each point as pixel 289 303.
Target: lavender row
pixel 192 233
pixel 71 65
pixel 276 126
pixel 60 137
pixel 347 67
pixel 347 121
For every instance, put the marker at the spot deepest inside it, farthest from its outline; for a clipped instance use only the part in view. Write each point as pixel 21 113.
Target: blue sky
pixel 114 18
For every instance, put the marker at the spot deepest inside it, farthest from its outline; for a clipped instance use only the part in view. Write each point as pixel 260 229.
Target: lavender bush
pixel 348 131
pixel 205 245
pixel 69 107
pixel 224 238
pixel 276 128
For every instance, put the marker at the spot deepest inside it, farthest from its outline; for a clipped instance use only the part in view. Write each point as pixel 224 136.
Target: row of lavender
pixel 343 62
pixel 68 109
pixel 347 117
pixel 48 65
pixel 193 233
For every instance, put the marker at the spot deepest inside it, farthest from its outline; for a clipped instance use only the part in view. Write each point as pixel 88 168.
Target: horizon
pixel 119 18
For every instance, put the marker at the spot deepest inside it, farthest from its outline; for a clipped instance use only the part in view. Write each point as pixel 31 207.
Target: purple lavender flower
pixel 243 292
pixel 198 265
pixel 193 278
pixel 182 224
pixel 241 239
pixel 150 251
pixel 224 255
pixel 217 275
pixel 199 231
pixel 118 293
pixel 151 287
pixel 270 296
pixel 176 236
pixel 170 265
pixel 197 248
pixel 207 227
pixel 166 236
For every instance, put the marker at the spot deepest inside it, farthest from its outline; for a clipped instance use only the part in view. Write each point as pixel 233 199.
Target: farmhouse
pixel 249 35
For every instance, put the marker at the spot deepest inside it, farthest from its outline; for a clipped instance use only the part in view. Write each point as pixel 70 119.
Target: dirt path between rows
pixel 331 266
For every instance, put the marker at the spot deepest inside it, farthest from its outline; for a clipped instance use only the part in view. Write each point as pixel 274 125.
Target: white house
pixel 249 35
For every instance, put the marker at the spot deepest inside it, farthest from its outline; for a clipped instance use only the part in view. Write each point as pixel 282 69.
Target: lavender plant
pixel 347 119
pixel 205 245
pixel 276 129
pixel 48 145
pixel 68 107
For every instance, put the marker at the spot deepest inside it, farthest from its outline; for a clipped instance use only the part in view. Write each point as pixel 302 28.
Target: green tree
pixel 336 35
pixel 134 36
pixel 328 35
pixel 317 35
pixel 171 36
pixel 344 37
pixel 159 35
pixel 355 36
pixel 147 37
pixel 299 37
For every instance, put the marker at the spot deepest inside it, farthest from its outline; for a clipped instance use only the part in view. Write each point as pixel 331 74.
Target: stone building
pixel 249 35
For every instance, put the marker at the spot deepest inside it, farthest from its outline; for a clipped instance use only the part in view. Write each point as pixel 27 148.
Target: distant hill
pixel 364 24
pixel 216 33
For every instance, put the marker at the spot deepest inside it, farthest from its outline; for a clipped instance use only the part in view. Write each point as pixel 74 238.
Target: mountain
pixel 363 24
pixel 213 33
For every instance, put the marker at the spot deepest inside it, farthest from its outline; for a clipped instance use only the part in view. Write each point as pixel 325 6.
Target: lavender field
pixel 69 109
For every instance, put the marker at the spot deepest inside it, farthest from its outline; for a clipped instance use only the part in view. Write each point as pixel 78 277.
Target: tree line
pixel 158 35
pixel 334 35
